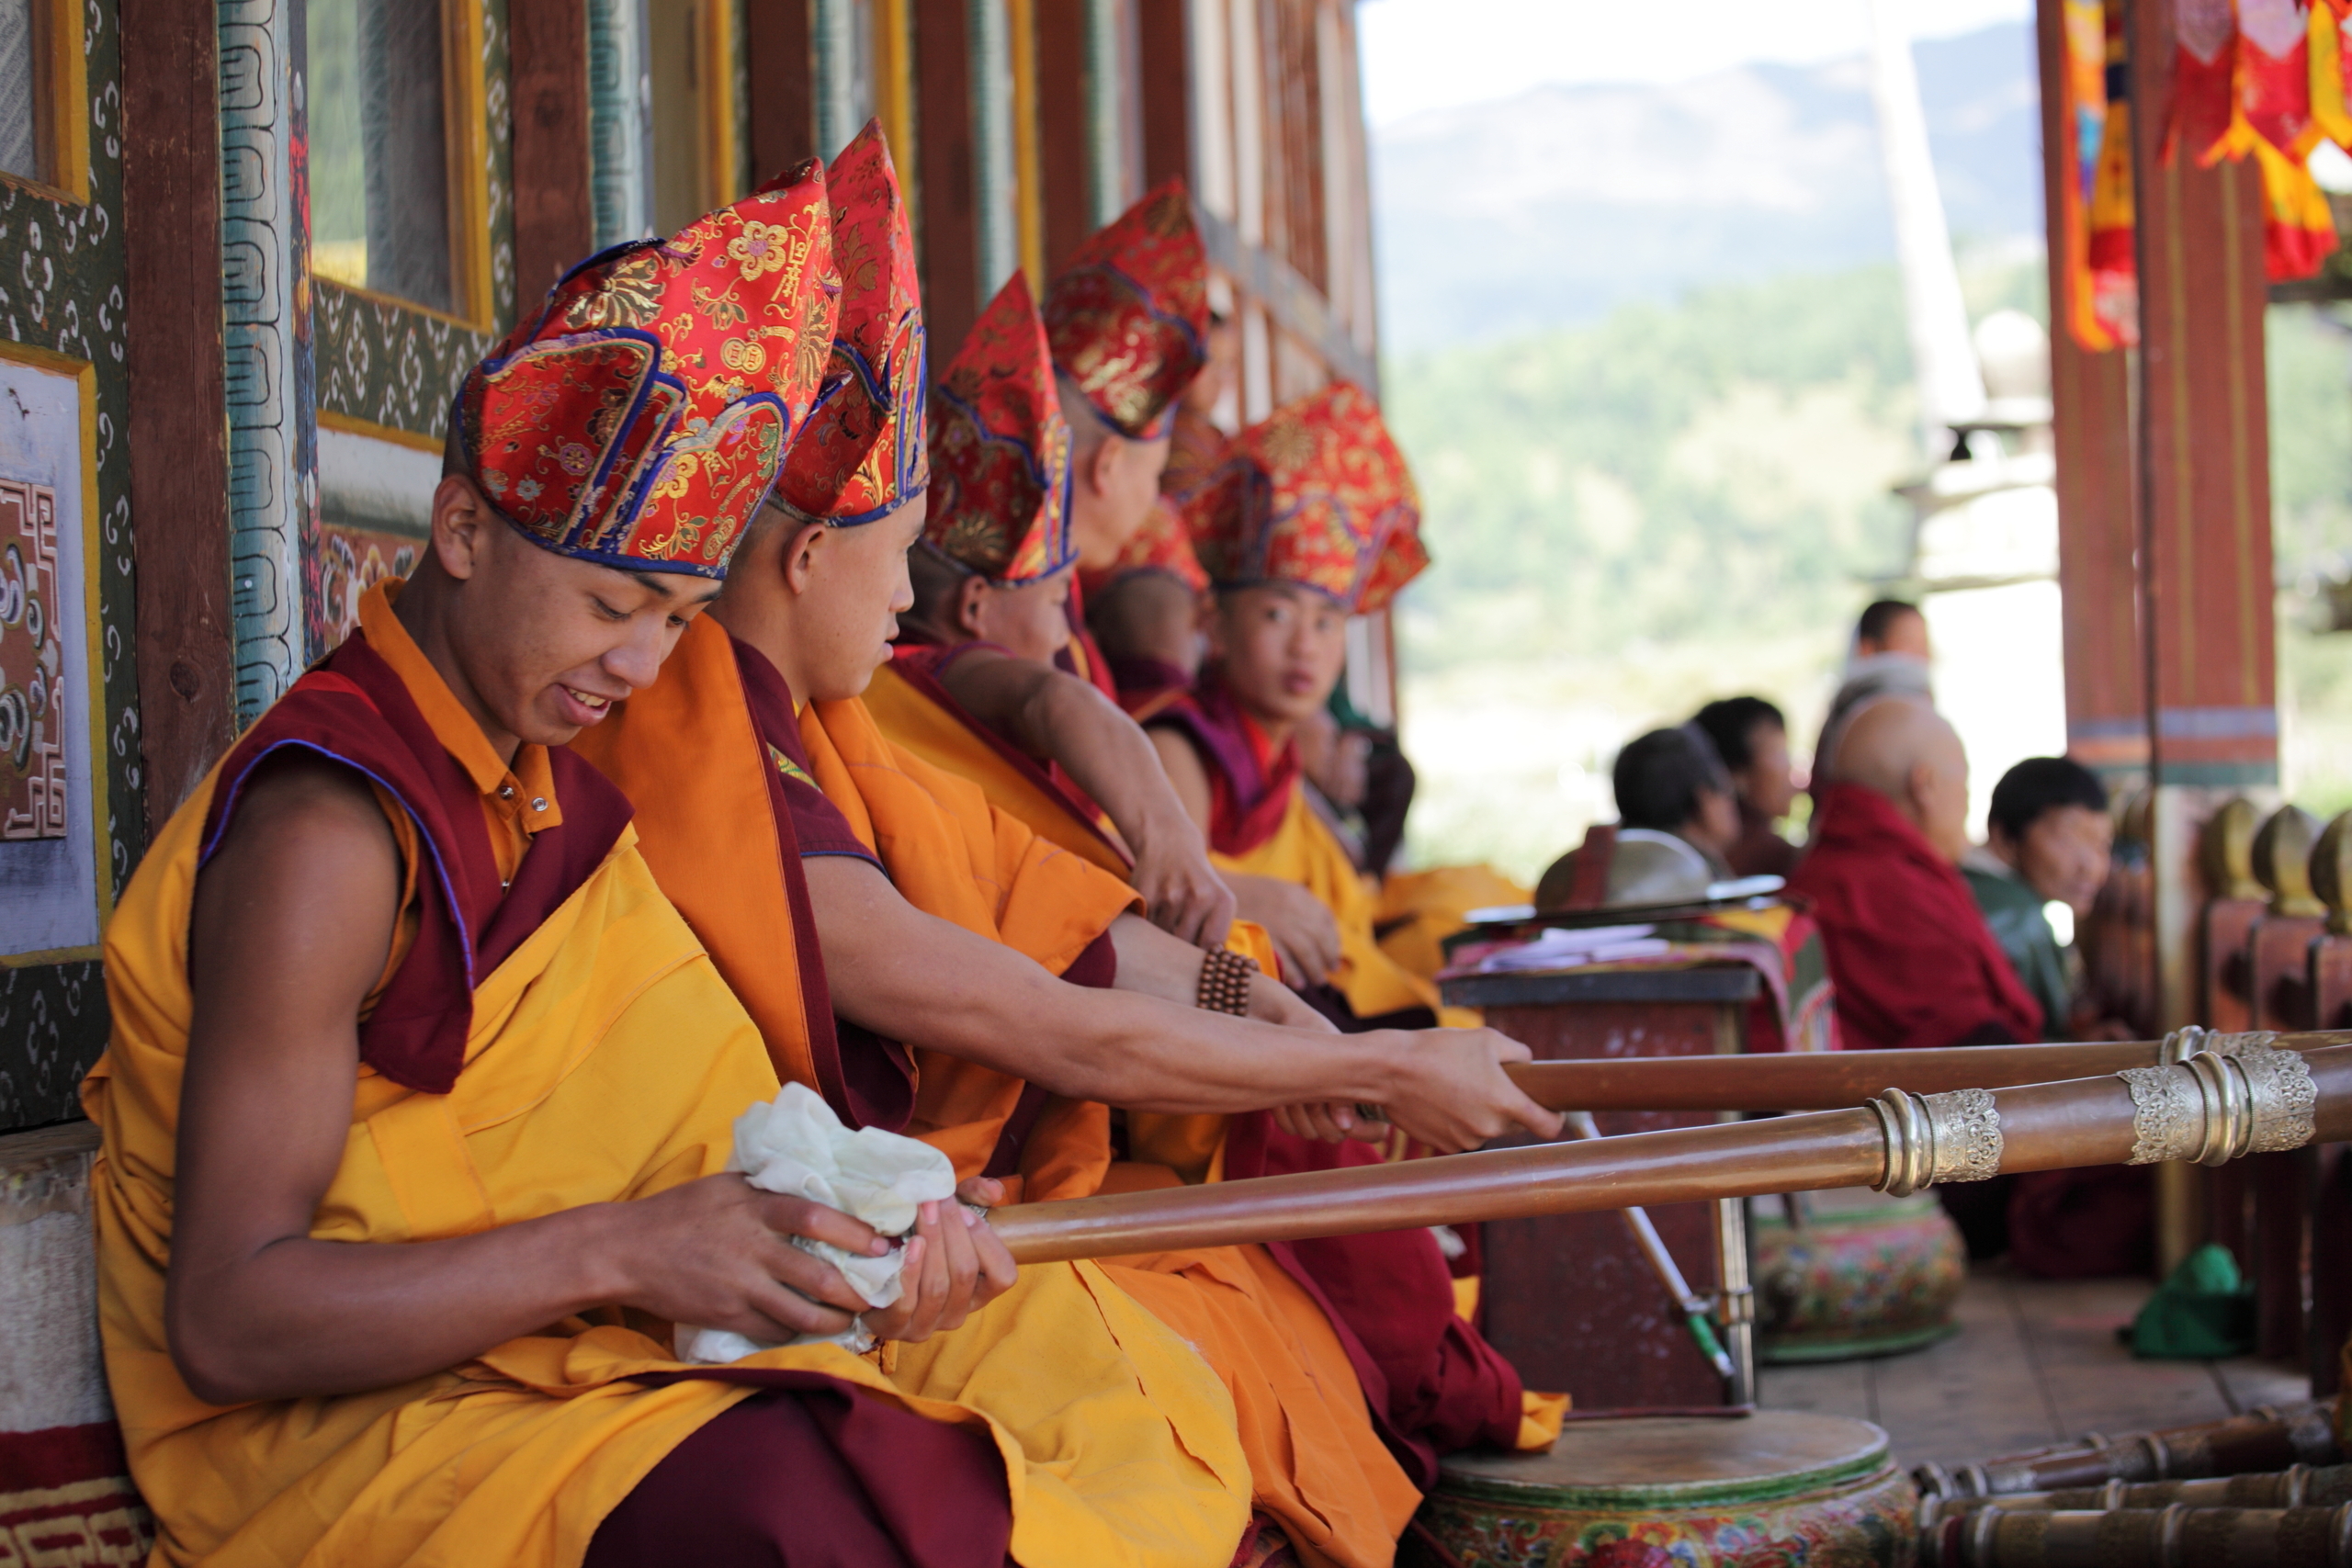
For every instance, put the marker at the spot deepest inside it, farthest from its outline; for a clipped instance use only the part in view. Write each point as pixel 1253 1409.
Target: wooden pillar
pixel 555 217
pixel 1164 49
pixel 782 103
pixel 2203 472
pixel 2204 482
pixel 1063 132
pixel 178 428
pixel 947 238
pixel 2107 711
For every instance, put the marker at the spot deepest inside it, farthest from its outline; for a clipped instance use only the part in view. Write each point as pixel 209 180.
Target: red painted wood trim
pixel 555 222
pixel 947 227
pixel 782 107
pixel 2205 460
pixel 178 425
pixel 1063 151
pixel 1164 49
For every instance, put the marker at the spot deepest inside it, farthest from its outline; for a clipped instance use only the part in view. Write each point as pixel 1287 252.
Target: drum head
pixel 1671 1462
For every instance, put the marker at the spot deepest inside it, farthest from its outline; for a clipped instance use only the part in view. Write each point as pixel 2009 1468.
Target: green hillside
pixel 1670 473
pixel 1678 502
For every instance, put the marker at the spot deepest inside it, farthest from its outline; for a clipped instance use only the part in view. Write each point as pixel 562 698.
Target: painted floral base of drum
pixel 1784 1489
pixel 1872 1278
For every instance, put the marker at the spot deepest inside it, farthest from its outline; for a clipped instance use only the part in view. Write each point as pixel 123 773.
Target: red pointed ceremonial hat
pixel 641 417
pixel 999 450
pixel 1129 317
pixel 862 455
pixel 1316 494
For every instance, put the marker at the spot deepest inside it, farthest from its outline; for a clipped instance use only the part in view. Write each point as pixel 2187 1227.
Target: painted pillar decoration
pixel 265 232
pixel 71 818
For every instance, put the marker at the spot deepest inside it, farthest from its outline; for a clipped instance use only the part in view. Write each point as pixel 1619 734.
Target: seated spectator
pixel 1890 655
pixel 2048 841
pixel 2049 838
pixel 1912 959
pixel 1752 737
pixel 1672 781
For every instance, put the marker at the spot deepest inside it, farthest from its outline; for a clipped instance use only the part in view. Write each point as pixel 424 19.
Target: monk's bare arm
pixel 292 921
pixel 906 974
pixel 1306 937
pixel 1050 714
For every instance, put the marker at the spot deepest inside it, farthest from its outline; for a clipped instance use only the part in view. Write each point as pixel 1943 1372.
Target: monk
pixel 1671 780
pixel 973 685
pixel 1752 737
pixel 1144 608
pixel 417 1109
pixel 941 922
pixel 1314 518
pixel 1911 957
pixel 1128 322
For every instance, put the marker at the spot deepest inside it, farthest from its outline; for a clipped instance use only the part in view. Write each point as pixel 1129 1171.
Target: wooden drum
pixel 1782 1488
pixel 1866 1275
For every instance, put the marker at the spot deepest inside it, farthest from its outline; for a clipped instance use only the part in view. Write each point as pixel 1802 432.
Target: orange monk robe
pixel 1304 851
pixel 916 713
pixel 1317 1462
pixel 693 751
pixel 1419 909
pixel 605 1061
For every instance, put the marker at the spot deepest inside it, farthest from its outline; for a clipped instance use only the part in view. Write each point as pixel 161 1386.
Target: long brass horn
pixel 2210 1107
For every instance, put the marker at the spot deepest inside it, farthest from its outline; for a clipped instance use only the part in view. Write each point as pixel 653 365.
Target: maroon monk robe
pixel 1248 791
pixel 1909 952
pixel 807 1472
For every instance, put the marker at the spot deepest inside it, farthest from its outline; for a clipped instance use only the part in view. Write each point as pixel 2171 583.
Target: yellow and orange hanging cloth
pixel 2260 79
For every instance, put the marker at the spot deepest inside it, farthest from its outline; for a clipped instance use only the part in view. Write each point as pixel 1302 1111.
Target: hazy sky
pixel 1420 54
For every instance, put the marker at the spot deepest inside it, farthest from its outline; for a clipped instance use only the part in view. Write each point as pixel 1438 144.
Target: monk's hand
pixel 718 1253
pixel 1305 935
pixel 1332 1121
pixel 1182 894
pixel 955 1266
pixel 1457 1096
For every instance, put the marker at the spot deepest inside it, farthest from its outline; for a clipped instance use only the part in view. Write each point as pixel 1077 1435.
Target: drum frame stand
pixel 1736 1298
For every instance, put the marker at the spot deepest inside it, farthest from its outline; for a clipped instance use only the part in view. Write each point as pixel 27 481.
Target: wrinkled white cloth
pixel 797 1146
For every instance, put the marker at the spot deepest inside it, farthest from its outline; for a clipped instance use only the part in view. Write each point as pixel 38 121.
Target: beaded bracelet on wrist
pixel 1225 982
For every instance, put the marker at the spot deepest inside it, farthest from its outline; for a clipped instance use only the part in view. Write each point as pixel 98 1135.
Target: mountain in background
pixel 1552 208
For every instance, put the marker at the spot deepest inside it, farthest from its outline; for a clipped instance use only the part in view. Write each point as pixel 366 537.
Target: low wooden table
pixel 1571 1300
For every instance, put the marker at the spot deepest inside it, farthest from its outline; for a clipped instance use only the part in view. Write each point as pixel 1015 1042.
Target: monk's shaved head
pixel 1902 747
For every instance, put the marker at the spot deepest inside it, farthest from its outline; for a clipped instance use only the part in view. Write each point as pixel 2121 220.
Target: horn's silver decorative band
pixel 1940 1138
pixel 2286 1101
pixel 1967 1126
pixel 2213 1107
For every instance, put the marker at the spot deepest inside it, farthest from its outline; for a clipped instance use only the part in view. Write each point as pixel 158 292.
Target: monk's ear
pixel 1099 469
pixel 460 519
pixel 799 558
pixel 965 608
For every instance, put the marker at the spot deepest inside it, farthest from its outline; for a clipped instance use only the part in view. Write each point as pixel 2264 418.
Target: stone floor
pixel 2036 1362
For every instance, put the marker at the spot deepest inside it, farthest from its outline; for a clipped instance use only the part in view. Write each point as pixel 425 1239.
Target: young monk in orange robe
pixel 1128 322
pixel 419 1094
pixel 1012 1064
pixel 1146 609
pixel 973 688
pixel 1314 518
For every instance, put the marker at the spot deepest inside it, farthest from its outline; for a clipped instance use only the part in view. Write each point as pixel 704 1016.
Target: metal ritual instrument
pixel 2266 1438
pixel 1821 1080
pixel 2296 1486
pixel 1781 1486
pixel 2177 1537
pixel 2210 1108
